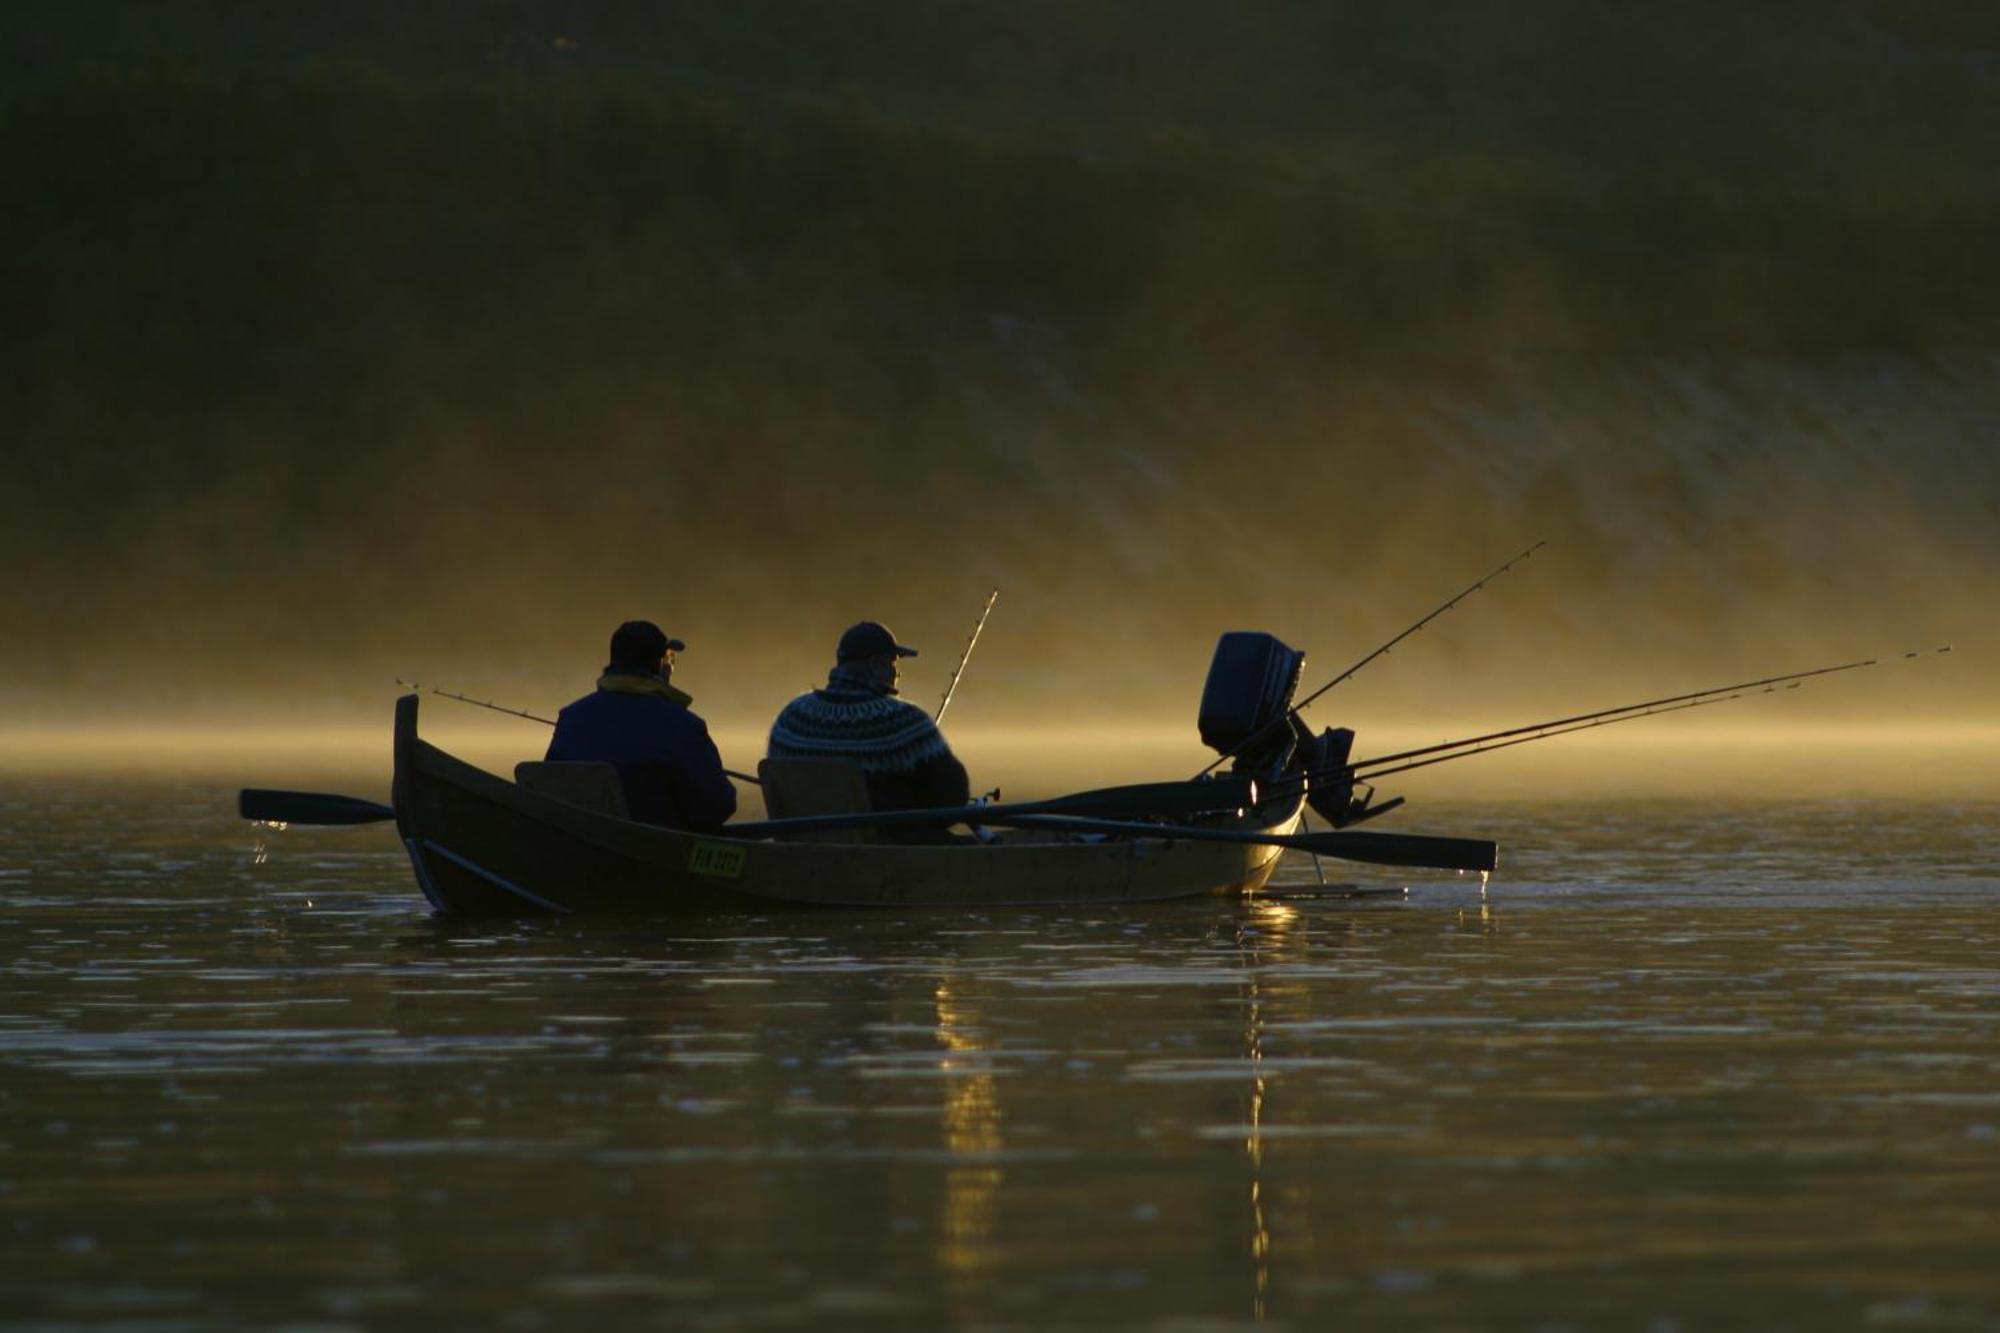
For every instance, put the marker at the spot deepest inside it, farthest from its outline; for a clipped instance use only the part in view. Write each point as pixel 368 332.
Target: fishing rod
pixel 1306 702
pixel 1374 774
pixel 532 717
pixel 477 703
pixel 1367 770
pixel 1764 684
pixel 966 656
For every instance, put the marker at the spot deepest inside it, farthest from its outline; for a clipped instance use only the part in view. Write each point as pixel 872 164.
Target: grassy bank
pixel 474 322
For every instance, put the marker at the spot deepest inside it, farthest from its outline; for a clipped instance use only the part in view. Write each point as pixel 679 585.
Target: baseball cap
pixel 871 638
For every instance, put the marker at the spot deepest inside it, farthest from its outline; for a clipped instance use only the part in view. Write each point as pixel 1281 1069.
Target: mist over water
pixel 1704 525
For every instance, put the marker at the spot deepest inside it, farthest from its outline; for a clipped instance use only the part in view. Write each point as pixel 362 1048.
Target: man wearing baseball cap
pixel 902 754
pixel 640 724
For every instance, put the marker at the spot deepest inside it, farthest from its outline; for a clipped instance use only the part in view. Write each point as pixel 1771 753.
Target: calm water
pixel 1682 1067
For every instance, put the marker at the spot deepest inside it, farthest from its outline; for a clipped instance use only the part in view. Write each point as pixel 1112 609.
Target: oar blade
pixel 308 807
pixel 1405 849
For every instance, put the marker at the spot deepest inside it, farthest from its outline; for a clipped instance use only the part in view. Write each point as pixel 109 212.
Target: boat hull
pixel 482 846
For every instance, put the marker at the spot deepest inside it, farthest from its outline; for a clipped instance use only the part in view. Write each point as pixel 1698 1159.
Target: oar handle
pixel 308 807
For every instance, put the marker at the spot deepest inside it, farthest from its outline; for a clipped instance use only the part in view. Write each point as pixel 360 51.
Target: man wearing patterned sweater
pixel 902 754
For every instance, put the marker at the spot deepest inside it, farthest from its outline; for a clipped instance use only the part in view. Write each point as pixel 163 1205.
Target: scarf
pixel 624 682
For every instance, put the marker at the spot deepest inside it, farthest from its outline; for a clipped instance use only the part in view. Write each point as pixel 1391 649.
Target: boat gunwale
pixel 1213 866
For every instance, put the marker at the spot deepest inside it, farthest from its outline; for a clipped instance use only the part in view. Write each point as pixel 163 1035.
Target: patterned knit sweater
pixel 879 733
pixel 901 752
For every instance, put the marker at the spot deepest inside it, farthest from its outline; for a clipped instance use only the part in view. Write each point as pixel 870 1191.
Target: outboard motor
pixel 1325 756
pixel 1334 795
pixel 1251 681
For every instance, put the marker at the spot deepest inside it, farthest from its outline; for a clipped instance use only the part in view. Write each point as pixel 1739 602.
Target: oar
pixel 1163 799
pixel 1382 849
pixel 308 807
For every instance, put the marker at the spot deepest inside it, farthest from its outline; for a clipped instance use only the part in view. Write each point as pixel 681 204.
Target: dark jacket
pixel 669 767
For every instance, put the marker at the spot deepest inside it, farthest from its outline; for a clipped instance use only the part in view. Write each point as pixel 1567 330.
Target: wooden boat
pixel 484 846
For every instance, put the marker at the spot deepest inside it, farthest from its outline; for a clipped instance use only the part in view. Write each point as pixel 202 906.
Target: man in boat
pixel 903 756
pixel 640 724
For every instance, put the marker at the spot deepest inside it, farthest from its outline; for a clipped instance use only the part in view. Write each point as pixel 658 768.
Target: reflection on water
pixel 1680 1066
pixel 1261 937
pixel 971 1136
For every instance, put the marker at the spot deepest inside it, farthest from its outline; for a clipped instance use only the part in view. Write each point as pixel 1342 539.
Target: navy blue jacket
pixel 669 767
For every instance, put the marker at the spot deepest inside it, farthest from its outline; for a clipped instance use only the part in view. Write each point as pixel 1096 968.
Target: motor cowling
pixel 1251 680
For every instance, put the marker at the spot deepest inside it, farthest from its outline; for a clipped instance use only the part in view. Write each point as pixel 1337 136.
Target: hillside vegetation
pixel 436 316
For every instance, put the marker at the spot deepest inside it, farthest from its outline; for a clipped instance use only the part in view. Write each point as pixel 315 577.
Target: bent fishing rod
pixel 1402 761
pixel 532 717
pixel 1268 728
pixel 952 687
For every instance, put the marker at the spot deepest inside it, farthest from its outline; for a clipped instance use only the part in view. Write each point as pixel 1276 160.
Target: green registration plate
pixel 717 859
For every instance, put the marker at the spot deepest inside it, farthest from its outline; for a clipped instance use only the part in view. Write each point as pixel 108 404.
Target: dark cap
pixel 641 643
pixel 871 638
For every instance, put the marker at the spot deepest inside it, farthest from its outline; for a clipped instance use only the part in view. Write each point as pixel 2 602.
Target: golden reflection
pixel 1270 928
pixel 1274 920
pixel 971 1132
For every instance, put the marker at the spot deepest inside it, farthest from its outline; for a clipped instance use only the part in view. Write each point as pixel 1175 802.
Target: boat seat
pixel 796 788
pixel 593 786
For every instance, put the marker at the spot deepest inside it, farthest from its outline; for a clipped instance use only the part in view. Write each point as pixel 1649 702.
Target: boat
pixel 482 845
pixel 558 838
